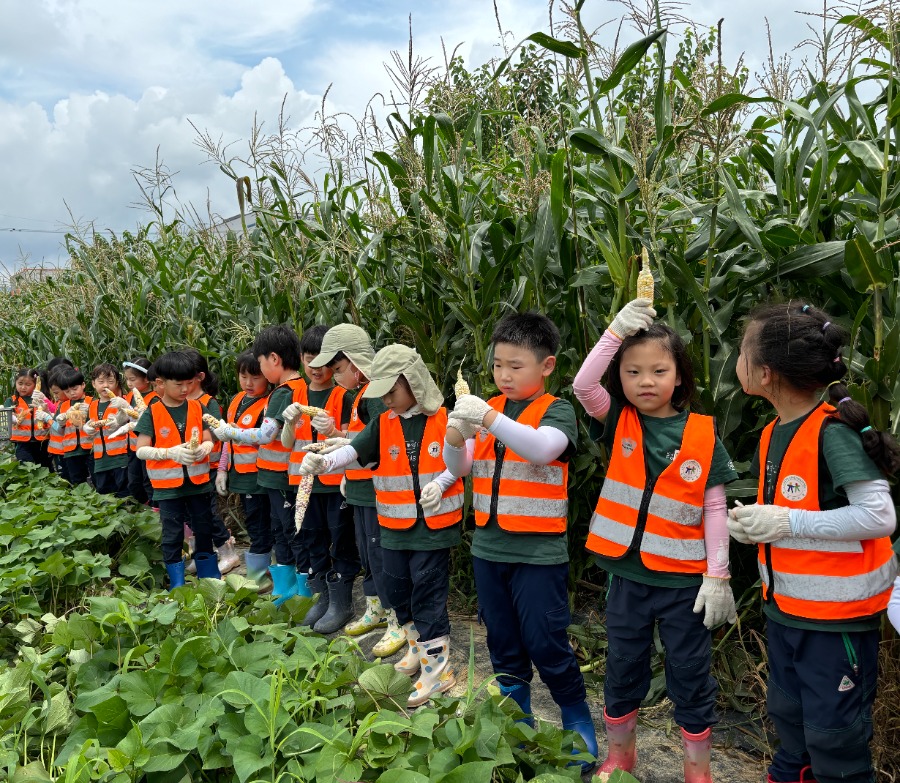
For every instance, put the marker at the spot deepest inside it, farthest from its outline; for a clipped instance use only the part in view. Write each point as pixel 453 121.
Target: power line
pixel 33 231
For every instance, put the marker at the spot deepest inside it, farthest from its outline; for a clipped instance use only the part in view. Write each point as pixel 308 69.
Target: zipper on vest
pixel 412 454
pixel 499 456
pixel 643 513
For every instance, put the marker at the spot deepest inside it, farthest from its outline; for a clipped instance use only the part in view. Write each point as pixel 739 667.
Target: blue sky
pixel 91 88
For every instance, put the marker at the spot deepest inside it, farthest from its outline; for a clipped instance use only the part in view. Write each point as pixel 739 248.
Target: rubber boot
pixel 207 567
pixel 577 718
pixel 697 748
pixel 176 574
pixel 409 664
pixel 340 605
pixel 284 583
pixel 620 734
pixel 393 640
pixel 806 776
pixel 375 616
pixel 520 693
pixel 302 586
pixel 318 609
pixel 258 569
pixel 436 675
pixel 228 558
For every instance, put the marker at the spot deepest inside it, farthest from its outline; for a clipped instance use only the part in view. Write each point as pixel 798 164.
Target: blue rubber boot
pixel 577 717
pixel 520 693
pixel 207 565
pixel 176 574
pixel 284 580
pixel 302 586
pixel 257 566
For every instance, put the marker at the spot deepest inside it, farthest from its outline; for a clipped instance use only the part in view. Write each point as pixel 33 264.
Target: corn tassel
pixel 461 386
pixel 645 278
pixel 304 491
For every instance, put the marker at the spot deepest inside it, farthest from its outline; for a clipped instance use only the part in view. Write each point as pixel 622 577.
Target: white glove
pixel 333 444
pixel 313 465
pixel 183 454
pixel 636 315
pixel 471 409
pixel 83 407
pixel 760 524
pixel 291 413
pixel 225 432
pixel 44 416
pixel 129 427
pixel 344 485
pixel 38 399
pixel 89 430
pixel 464 428
pixel 62 418
pixel 323 424
pixel 430 498
pixel 716 600
pixel 120 403
pixel 222 482
pixel 735 528
pixel 204 449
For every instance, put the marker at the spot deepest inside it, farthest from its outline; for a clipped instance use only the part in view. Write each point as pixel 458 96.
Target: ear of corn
pixel 312 411
pixel 461 386
pixel 139 405
pixel 107 394
pixel 195 439
pixel 37 383
pixel 304 491
pixel 645 278
pixel 211 421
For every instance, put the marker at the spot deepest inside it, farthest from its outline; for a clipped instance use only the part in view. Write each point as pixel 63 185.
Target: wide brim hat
pixel 390 363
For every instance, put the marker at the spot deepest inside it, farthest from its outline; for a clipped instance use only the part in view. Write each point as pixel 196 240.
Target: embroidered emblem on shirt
pixel 628 447
pixel 165 432
pixel 793 488
pixel 247 419
pixel 394 451
pixel 690 470
pixel 434 449
pixel 846 684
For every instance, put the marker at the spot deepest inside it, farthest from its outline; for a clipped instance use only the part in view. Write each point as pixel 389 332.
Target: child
pixel 31 420
pixel 330 557
pixel 55 441
pixel 136 373
pixel 277 349
pixel 659 530
pixel 237 470
pixel 109 443
pixel 823 521
pixel 517 447
pixel 347 351
pixel 419 505
pixel 178 471
pixel 77 463
pixel 894 606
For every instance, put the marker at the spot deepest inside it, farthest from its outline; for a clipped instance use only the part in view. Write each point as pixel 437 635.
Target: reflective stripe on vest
pixel 395 497
pixel 303 436
pixel 529 498
pixel 242 456
pixel 356 427
pixel 667 515
pixel 815 579
pixel 104 445
pixel 166 473
pixel 72 437
pixel 273 456
pixel 28 429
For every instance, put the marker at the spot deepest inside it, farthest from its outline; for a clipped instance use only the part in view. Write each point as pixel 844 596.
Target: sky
pixel 91 89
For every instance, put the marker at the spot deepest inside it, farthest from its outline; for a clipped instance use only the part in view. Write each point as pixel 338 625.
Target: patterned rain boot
pixel 375 616
pixel 436 675
pixel 393 640
pixel 621 751
pixel 409 663
pixel 697 749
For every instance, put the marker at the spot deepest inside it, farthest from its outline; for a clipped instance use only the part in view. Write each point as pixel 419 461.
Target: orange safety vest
pixel 526 498
pixel 70 437
pixel 356 427
pixel 397 490
pixel 242 456
pixel 103 445
pixel 814 578
pixel 273 456
pixel 26 430
pixel 149 397
pixel 303 435
pixel 166 473
pixel 666 514
pixel 216 454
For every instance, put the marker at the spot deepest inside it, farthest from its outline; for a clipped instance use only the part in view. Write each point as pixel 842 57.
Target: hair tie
pixel 837 359
pixel 843 400
pixel 134 366
pixel 804 309
pixel 826 325
pixel 864 429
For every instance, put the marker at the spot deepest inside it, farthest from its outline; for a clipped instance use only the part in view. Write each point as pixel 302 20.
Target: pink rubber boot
pixel 697 748
pixel 620 753
pixel 806 776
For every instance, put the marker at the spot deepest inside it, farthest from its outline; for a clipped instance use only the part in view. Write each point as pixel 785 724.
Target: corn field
pixel 534 182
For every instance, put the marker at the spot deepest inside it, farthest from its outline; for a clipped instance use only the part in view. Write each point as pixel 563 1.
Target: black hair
pixel 67 377
pixel 59 361
pixel 683 394
pixel 26 372
pixel 311 341
pixel 175 366
pixel 53 377
pixel 210 382
pixel 338 357
pixel 248 363
pixel 282 341
pixel 802 345
pixel 107 369
pixel 151 373
pixel 533 331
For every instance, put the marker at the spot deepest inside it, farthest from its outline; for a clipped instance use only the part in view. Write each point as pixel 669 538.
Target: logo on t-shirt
pixel 690 470
pixel 434 449
pixel 483 434
pixel 793 488
pixel 628 446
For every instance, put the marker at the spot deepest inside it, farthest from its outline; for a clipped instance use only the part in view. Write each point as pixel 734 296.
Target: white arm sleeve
pixel 344 456
pixel 458 459
pixel 539 446
pixel 445 480
pixel 871 514
pixel 894 606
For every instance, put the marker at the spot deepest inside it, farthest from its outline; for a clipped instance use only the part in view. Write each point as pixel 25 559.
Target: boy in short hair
pixel 517 446
pixel 76 463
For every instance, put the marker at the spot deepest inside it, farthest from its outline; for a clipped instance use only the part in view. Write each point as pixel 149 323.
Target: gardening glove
pixel 38 399
pixel 182 454
pixel 636 315
pixel 343 486
pixel 222 482
pixel 464 428
pixel 225 432
pixel 129 427
pixel 90 428
pixel 470 409
pixel 333 444
pixel 43 416
pixel 761 524
pixel 61 418
pixel 204 450
pixel 430 498
pixel 292 413
pixel 313 465
pixel 120 403
pixel 323 424
pixel 716 601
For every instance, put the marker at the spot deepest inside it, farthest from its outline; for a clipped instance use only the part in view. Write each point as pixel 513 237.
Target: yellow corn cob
pixel 37 383
pixel 312 411
pixel 645 278
pixel 461 386
pixel 20 416
pixel 304 491
pixel 139 405
pixel 107 394
pixel 211 421
pixel 195 439
pixel 76 417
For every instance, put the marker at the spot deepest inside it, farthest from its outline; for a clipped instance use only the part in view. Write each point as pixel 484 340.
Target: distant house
pixel 232 225
pixel 31 274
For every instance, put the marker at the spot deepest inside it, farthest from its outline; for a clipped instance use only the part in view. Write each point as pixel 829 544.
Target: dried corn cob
pixel 304 491
pixel 139 404
pixel 211 421
pixel 312 411
pixel 76 416
pixel 107 394
pixel 461 386
pixel 645 278
pixel 37 383
pixel 195 439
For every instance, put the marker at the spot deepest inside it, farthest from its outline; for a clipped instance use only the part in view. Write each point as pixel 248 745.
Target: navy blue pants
pixel 526 610
pixel 329 538
pixel 258 521
pixel 112 482
pixel 417 585
pixel 632 611
pixel 76 469
pixel 289 549
pixel 33 451
pixel 139 486
pixel 368 543
pixel 821 690
pixel 173 513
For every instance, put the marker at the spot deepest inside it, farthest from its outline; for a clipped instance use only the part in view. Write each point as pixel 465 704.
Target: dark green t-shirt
pixel 419 537
pixel 243 483
pixel 662 440
pixel 319 399
pixel 845 462
pixel 144 426
pixel 361 492
pixel 106 462
pixel 491 542
pixel 278 401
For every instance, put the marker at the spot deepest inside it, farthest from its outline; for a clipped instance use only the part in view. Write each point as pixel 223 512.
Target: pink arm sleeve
pixel 223 460
pixel 715 531
pixel 592 396
pixel 52 407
